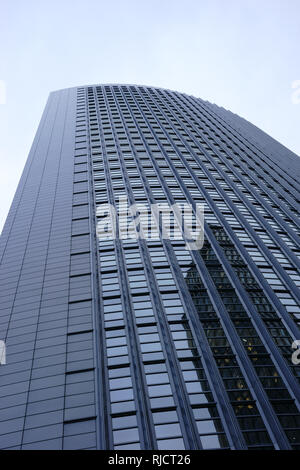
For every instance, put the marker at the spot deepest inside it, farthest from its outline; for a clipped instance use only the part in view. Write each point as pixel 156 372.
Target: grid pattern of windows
pixel 142 344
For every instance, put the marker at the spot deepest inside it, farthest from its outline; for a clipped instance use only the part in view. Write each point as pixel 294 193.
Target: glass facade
pixel 144 344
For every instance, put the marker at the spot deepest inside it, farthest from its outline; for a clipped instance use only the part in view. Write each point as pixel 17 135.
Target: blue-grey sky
pixel 241 54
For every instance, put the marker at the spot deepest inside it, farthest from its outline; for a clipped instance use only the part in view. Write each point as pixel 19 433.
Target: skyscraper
pixel 142 343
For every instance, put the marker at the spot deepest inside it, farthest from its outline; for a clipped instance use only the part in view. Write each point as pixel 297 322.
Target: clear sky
pixel 240 54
